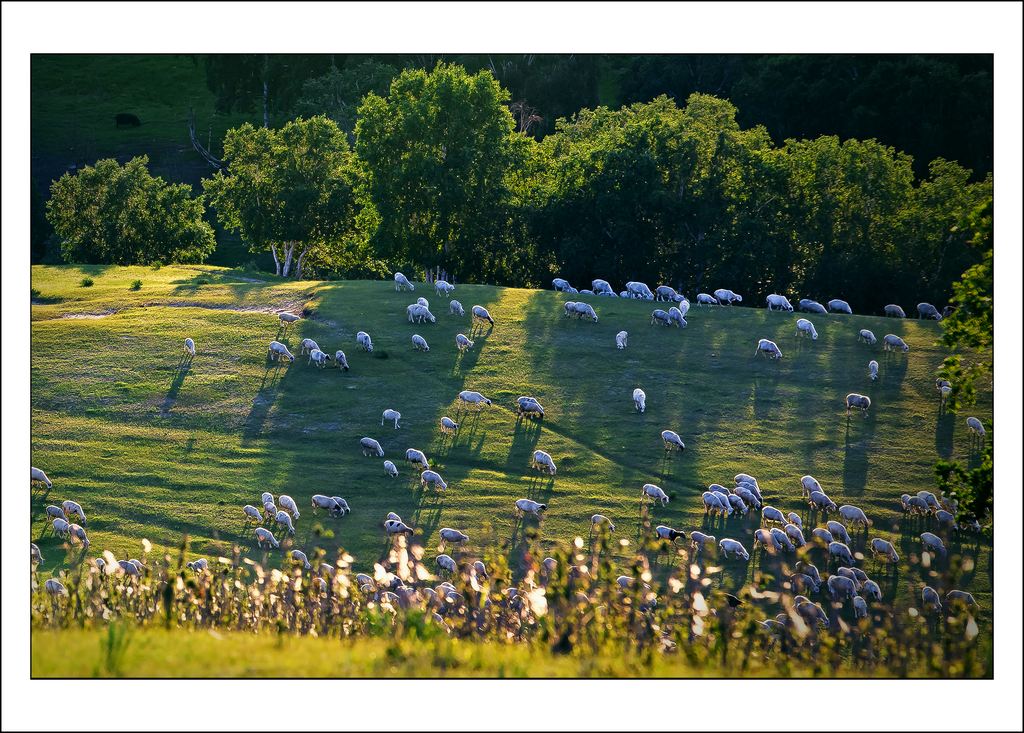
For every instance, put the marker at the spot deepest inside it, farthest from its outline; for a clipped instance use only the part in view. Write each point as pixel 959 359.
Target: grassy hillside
pixel 155 450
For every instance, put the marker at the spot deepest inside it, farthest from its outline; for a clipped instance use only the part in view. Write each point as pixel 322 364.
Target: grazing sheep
pixel 917 505
pixel 639 400
pixel 812 306
pixel 473 399
pixel 423 301
pixel 417 458
pixel 55 512
pixel 543 462
pixel 927 310
pixel 718 489
pixel 39 475
pixel 417 313
pixel 871 590
pixel 973 424
pixel 794 533
pixel 672 441
pixel 946 519
pixel 818 500
pixel 895 311
pixel 390 469
pixel 277 351
pixel 738 505
pixel 402 282
pixel 307 346
pixel 288 319
pixel 778 302
pixel 809 484
pixel 453 535
pixel 446 563
pixel 443 287
pixel 340 360
pixel 808 569
pixel 746 495
pixel 683 305
pixel 528 506
pixel 283 519
pixel 267 497
pixel 839 306
pixel 699 540
pixel 891 342
pixel 858 401
pixel 933 543
pixel 37 556
pixel 769 348
pixel 660 316
pixel 319 501
pixel 419 343
pixel 61 528
pixel 77 532
pixel 731 548
pixel 198 566
pixel 288 504
pixel 866 336
pixel 480 569
pixel 392 416
pixel 55 588
pixel 841 553
pixel 462 342
pixel 664 292
pixel 860 607
pixel 601 286
pixel 300 556
pixel 190 347
pixel 960 596
pixel 794 518
pixel 766 539
pixel 806 328
pixel 822 534
pixel 771 514
pixel 266 537
pixel 667 533
pixel 857 575
pixel 884 548
pixel 397 526
pixel 840 587
pixel 675 315
pixel 930 599
pixel 803 582
pixel 873 370
pixel 480 314
pixel 559 284
pixel 705 299
pixel 639 291
pixel 455 308
pixel 569 308
pixel 656 493
pixel 433 479
pixel 599 520
pixel 854 515
pixel 319 358
pixel 905 502
pixel 448 426
pixel 838 530
pixel 811 612
pixel 363 339
pixel 725 296
pixel 371 447
pixel 342 505
pixel 529 407
pixel 782 539
pixel 585 310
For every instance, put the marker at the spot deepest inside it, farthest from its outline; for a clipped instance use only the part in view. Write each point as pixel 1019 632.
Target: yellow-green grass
pixel 155 450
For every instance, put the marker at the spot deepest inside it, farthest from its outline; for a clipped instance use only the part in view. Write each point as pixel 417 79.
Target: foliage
pixel 293 189
pixel 114 214
pixel 971 486
pixel 136 284
pixel 338 93
pixel 87 282
pixel 241 81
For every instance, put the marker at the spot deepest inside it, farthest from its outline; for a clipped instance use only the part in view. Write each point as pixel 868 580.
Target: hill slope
pixel 152 450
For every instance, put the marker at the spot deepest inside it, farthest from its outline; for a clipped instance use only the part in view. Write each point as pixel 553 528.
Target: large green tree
pixel 120 214
pixel 338 93
pixel 292 190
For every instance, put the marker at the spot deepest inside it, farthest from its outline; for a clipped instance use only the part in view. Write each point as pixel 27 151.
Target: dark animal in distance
pixel 125 119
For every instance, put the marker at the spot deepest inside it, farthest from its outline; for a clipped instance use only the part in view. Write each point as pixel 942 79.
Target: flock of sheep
pixel 780 533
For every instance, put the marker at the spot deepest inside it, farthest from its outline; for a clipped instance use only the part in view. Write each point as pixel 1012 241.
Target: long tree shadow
pixel 182 370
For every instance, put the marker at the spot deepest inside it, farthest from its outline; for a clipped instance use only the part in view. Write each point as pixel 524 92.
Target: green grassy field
pixel 153 450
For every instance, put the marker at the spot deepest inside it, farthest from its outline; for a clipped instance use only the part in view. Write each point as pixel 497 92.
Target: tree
pixel 439 151
pixel 338 93
pixel 240 80
pixel 290 190
pixel 114 214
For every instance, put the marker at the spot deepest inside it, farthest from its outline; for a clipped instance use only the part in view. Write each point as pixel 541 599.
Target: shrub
pixel 87 282
pixel 136 284
pixel 35 293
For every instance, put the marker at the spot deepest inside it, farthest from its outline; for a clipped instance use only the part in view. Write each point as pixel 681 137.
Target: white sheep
pixel 639 400
pixel 390 469
pixel 731 548
pixel 543 462
pixel 417 313
pixel 340 360
pixel 55 588
pixel 672 441
pixel 37 556
pixel 61 528
pixel 823 535
pixel 715 504
pixel 838 530
pixel 768 348
pixel 810 570
pixel 858 401
pixel 854 515
pixel 402 282
pixel 287 319
pixel 771 514
pixel 529 407
pixel 269 509
pixel 453 535
pixel 77 532
pixel 683 305
pixel 601 286
pixel 528 506
pixel 480 569
pixel 819 500
pixel 307 346
pixel 975 426
pixel 656 493
pixel 778 302
pixel 895 311
pixel 933 543
pixel 319 501
pixel 569 308
pixel 371 447
pixel 855 574
pixel 726 296
pixel 300 556
pixel 283 519
pixel 840 587
pixel 266 537
pixel 664 292
pixel 364 341
pixel 860 607
pixel 423 301
pixel 267 496
pixel 766 539
pixel 73 508
pixel 417 458
pixel 960 596
pixel 803 582
pixel 447 563
pixel 480 314
pixel 600 520
pixel 927 310
pixel 639 290
pixel 699 540
pixel 866 336
pixel 585 310
pixel 794 518
pixel 419 343
pixel 473 399
pixel 841 552
pixel 930 599
pixel 199 565
pixel 667 533
pixel 455 308
pixel 448 426
pixel 840 306
pixel 443 287
pixel 660 317
pixel 277 351
pixel 288 504
pixel 397 526
pixel 319 358
pixel 747 497
pixel 873 370
pixel 462 342
pixel 891 342
pixel 946 519
pixel 190 347
pixel 560 284
pixel 794 533
pixel 812 306
pixel 40 476
pixel 390 415
pixel 705 299
pixel 432 479
pixel 782 539
pixel 342 505
pixel 675 315
pixel 871 590
pixel 806 328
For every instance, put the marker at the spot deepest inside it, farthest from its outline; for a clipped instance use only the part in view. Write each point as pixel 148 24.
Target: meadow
pixel 155 447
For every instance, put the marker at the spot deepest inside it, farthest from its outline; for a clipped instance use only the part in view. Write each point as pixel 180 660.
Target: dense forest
pixel 821 176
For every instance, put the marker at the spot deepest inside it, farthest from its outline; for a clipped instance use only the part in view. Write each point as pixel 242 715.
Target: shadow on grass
pixel 263 401
pixel 182 370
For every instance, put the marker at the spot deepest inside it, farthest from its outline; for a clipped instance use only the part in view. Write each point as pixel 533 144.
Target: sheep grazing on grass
pixel 927 310
pixel 656 493
pixel 771 514
pixel 960 596
pixel 528 506
pixel 803 582
pixel 190 347
pixel 423 301
pixel 748 496
pixel 371 447
pixel 838 531
pixel 37 556
pixel 858 401
pixel 812 612
pixel 390 469
pixel 794 518
pixel 699 540
pixel 542 462
pixel 823 535
pixel 77 532
pixel 667 533
pixel 453 535
pixel 932 543
pixel 840 588
pixel 866 336
pixel 731 548
pixel 601 286
pixel 639 400
pixel 287 319
pixel 795 534
pixel 727 297
pixel 277 351
pixel 809 484
pixel 782 539
pixel 269 510
pixel 55 588
pixel 342 505
pixel 529 407
pixel 402 283
pixel 854 515
pixel 480 569
pixel 264 537
pixel 73 508
pixel 891 342
pixel 61 528
pixel 419 343
pixel 390 415
pixel 974 425
pixel 307 346
pixel 768 348
pixel 447 563
pixel 455 308
pixel 706 299
pixel 448 426
pixel 778 303
pixel 930 599
pixel 841 553
pixel 871 590
pixel 288 504
pixel 462 342
pixel 41 477
pixel 600 520
pixel 918 506
pixel 860 607
pixel 443 288
pixel 894 311
pixel 198 566
pixel 319 501
pixel 660 317
pixel 480 314
pixel 839 306
pixel 806 328
pixel 396 526
pixel 857 575
pixel 300 556
pixel 433 480
pixel 417 458
pixel 812 306
pixel 819 500
pixel 284 519
pixel 473 399
pixel 675 316
pixel 664 292
pixel 364 341
pixel 946 520
pixel 560 284
pixel 584 310
pixel 417 313
pixel 873 370
pixel 340 360
pixel 639 291
pixel 766 539
pixel 319 358
pixel 620 339
pixel 743 501
pixel 672 441
pixel 569 309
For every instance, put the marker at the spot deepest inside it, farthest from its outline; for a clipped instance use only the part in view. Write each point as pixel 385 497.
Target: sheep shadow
pixel 540 488
pixel 524 442
pixel 180 372
pixel 895 365
pixel 262 402
pixel 945 422
pixel 856 454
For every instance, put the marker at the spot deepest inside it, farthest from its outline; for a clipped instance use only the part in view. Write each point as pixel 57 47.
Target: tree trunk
pixel 289 250
pixel 298 265
pixel 277 262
